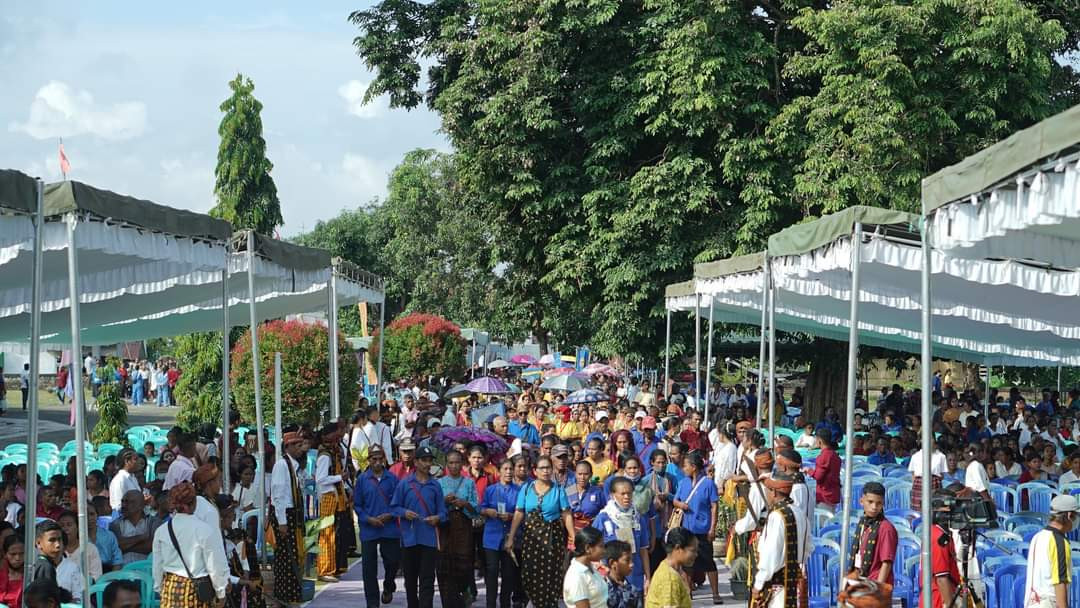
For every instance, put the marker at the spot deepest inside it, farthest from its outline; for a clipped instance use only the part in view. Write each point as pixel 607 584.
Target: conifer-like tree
pixel 246 194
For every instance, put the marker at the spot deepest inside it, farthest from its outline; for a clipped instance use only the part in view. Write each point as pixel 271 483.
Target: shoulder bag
pixel 204 589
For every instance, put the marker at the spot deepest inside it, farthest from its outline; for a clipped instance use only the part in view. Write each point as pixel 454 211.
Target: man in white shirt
pixel 759 496
pixel 1049 567
pixel 198 543
pixel 975 476
pixel 124 481
pixel 1052 436
pixel 288 506
pixel 331 492
pixel 373 431
pixel 24 384
pixel 183 467
pixel 783 520
pixel 1073 474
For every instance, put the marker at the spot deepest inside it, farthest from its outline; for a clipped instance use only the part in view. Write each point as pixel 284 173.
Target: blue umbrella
pixel 488 386
pixel 585 395
pixel 570 382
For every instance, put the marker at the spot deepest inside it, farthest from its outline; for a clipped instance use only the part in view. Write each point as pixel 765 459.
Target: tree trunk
pixel 826 385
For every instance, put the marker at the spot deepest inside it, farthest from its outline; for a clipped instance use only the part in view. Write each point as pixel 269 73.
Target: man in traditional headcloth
pixel 781 549
pixel 790 462
pixel 288 507
pixel 757 508
pixel 331 492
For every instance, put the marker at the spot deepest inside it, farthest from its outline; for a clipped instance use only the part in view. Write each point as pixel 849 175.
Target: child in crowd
pixel 620 563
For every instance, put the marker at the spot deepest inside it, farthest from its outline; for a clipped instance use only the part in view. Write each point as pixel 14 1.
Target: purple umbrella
pixel 524 360
pixel 585 395
pixel 488 386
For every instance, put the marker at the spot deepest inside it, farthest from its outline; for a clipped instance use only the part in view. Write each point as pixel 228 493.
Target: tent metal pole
pixel 472 358
pixel 226 430
pixel 697 347
pixel 382 328
pixel 260 430
pixel 667 358
pixel 764 330
pixel 852 380
pixel 772 393
pixel 708 367
pixel 79 403
pixel 927 426
pixel 1059 380
pixel 35 350
pixel 332 326
pixel 277 404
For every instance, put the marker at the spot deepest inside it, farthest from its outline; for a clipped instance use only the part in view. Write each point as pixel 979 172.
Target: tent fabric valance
pixel 1036 219
pixel 808 236
pixel 678 290
pixel 70 196
pixel 1002 160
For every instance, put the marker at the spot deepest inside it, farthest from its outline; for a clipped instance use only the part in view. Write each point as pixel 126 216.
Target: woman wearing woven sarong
pixel 544 512
pixel 938 468
pixel 456 549
pixel 331 490
pixel 187 552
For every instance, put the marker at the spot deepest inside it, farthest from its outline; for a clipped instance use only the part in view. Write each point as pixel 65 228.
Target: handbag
pixel 204 589
pixel 677 513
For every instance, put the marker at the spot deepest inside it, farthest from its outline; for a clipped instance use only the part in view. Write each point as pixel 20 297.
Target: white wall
pixel 18 353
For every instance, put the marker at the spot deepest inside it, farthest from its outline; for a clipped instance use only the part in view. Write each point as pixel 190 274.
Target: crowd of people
pixel 627 501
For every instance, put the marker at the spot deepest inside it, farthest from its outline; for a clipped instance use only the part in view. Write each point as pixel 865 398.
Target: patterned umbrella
pixel 523 360
pixel 585 395
pixel 569 382
pixel 459 390
pixel 558 371
pixel 546 361
pixel 487 385
pixel 600 368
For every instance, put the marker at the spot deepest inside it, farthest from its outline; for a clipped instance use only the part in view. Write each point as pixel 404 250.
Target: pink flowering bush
pixel 419 344
pixel 305 372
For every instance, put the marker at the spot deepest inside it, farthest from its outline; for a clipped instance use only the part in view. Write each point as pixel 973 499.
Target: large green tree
pixel 246 193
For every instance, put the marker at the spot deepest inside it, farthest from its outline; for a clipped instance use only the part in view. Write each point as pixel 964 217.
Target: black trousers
pixel 345 538
pixel 25 397
pixel 418 563
pixel 499 565
pixel 390 548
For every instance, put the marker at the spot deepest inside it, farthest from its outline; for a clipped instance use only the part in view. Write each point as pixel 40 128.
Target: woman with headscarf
pixel 188 552
pixel 621 442
pixel 620 520
pixel 544 512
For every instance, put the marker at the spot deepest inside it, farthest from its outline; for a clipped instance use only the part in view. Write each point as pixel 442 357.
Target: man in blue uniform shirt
pixel 418 503
pixel 380 531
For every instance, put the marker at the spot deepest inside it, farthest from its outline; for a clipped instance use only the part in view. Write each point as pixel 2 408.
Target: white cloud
pixel 353 94
pixel 362 175
pixel 59 111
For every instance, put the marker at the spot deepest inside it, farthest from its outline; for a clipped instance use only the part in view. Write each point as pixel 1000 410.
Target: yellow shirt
pixel 572 430
pixel 667 589
pixel 603 469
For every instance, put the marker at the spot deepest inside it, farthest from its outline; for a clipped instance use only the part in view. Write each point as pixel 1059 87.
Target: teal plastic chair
pixel 145 565
pixel 144 578
pixel 108 449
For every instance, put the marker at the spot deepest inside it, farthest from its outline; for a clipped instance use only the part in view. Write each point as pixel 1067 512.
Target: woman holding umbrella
pixel 543 512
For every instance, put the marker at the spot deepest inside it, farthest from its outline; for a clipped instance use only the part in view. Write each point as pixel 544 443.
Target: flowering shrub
pixel 305 373
pixel 418 344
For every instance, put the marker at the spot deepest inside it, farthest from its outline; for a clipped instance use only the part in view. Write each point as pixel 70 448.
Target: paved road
pixel 54 420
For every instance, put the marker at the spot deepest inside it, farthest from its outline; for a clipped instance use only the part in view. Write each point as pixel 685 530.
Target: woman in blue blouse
pixel 619 520
pixel 457 550
pixel 545 512
pixel 500 501
pixel 585 499
pixel 697 498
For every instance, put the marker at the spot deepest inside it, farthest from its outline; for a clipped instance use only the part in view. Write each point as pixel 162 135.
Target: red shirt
pixel 399 470
pixel 696 440
pixel 827 475
pixel 884 550
pixel 942 563
pixel 10 588
pixel 482 481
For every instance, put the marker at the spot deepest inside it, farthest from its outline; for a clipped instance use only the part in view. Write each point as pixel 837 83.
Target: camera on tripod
pixel 964 512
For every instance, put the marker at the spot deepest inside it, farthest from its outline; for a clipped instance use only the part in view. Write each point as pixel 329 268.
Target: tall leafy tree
pixel 246 193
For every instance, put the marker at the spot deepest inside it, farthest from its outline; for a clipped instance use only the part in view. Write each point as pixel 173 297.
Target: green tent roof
pixel 18 191
pixel 284 253
pixel 811 235
pixel 736 265
pixel 678 290
pixel 1002 160
pixel 69 196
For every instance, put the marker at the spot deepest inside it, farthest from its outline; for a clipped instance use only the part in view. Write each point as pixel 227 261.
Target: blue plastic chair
pixel 1005 577
pixel 898 497
pixel 1004 497
pixel 1027 531
pixel 1039 496
pixel 144 578
pixel 816 573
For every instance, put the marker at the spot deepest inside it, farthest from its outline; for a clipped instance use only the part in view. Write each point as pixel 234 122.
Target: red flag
pixel 65 166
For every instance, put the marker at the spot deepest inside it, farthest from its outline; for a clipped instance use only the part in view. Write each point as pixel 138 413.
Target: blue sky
pixel 134 89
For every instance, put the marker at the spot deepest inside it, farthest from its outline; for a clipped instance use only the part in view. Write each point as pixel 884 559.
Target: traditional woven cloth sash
pixel 336 468
pixel 866 558
pixel 788 576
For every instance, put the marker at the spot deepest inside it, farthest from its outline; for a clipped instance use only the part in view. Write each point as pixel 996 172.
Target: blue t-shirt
pixel 502 498
pixel 526 432
pixel 588 503
pixel 880 459
pixel 108 548
pixel 551 505
pixel 641 540
pixel 407 497
pixel 700 514
pixel 371 498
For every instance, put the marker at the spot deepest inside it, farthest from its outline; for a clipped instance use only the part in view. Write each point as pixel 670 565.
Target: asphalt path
pixel 55 420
